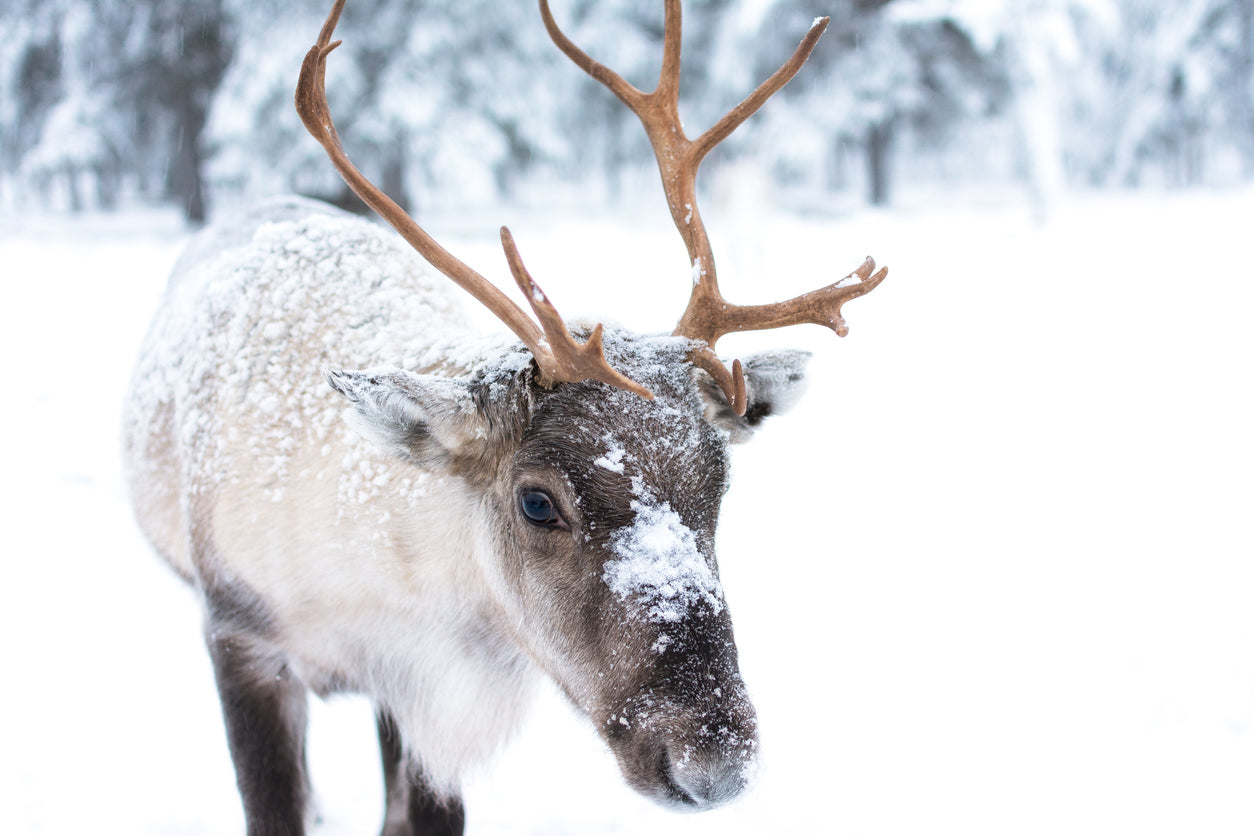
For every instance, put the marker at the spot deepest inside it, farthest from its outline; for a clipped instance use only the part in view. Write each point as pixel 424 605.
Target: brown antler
pixel 708 315
pixel 558 356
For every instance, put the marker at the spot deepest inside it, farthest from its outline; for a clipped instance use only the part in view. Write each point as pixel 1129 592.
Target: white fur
pixel 234 439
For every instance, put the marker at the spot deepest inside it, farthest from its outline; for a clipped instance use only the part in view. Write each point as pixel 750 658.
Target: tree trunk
pixel 878 151
pixel 392 180
pixel 185 179
pixel 107 176
pixel 71 184
pixel 184 86
pixel 1245 81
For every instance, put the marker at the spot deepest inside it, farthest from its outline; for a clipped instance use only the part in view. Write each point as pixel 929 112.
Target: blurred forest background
pixel 106 104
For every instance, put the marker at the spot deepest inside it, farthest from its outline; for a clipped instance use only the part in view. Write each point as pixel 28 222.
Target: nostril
pixel 706 777
pixel 688 756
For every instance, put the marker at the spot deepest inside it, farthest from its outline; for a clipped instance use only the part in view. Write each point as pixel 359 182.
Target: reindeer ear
pixel 421 418
pixel 774 382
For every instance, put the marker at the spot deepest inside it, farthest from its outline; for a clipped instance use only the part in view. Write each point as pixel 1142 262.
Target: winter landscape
pixel 993 575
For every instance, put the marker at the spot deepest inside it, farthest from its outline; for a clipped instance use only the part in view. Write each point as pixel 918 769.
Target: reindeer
pixel 492 511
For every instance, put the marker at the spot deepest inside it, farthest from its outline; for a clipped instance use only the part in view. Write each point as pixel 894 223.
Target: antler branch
pixel 818 307
pixel 558 356
pixel 708 315
pixel 569 360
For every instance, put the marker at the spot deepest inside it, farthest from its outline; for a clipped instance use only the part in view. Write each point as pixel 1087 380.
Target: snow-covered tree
pixel 445 96
pixel 875 75
pixel 101 100
pixel 1181 91
pixel 110 92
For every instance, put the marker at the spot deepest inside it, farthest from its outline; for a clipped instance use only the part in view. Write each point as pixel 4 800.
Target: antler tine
pixel 658 112
pixel 558 356
pixel 618 85
pixel 732 381
pixel 672 47
pixel 818 307
pixel 721 129
pixel 559 351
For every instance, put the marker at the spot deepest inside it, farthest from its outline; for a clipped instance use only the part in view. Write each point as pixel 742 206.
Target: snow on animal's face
pixel 599 511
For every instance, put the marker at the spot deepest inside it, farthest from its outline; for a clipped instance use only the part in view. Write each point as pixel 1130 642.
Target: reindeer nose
pixel 711 760
pixel 711 775
pixel 687 757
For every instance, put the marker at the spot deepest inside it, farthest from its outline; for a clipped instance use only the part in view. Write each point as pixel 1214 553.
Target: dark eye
pixel 538 508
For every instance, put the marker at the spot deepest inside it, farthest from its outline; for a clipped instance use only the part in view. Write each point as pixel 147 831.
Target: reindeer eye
pixel 538 508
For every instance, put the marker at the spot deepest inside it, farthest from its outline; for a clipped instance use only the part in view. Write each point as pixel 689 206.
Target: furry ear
pixel 421 418
pixel 774 382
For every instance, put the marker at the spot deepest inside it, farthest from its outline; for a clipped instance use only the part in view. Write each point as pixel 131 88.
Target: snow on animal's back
pixel 297 273
pixel 256 308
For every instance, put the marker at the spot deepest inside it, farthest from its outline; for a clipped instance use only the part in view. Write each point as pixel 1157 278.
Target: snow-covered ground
pixel 994 576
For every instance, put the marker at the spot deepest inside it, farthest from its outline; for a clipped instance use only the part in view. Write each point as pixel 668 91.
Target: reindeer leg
pixel 264 706
pixel 412 807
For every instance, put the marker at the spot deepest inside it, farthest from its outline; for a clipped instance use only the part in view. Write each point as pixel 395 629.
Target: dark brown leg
pixel 412 808
pixel 264 707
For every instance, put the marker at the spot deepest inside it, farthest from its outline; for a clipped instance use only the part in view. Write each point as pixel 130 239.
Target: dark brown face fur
pixel 635 484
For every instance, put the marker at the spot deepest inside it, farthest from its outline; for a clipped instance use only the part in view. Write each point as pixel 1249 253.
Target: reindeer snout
pixel 685 755
pixel 709 775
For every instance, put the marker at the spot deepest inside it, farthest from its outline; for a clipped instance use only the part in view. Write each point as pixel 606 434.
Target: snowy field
pixel 994 576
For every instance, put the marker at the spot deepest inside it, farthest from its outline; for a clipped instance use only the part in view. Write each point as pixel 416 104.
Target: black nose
pixel 706 776
pixel 685 758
